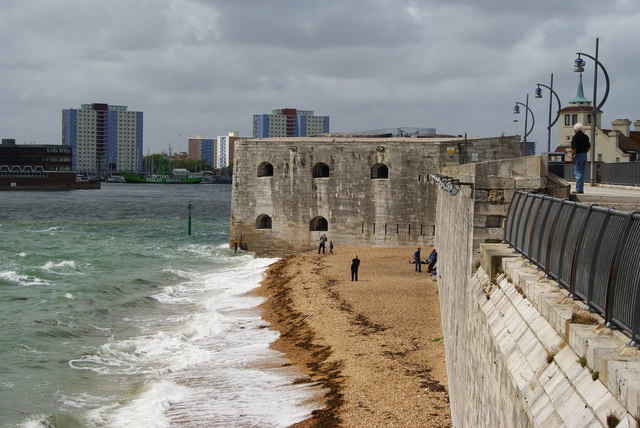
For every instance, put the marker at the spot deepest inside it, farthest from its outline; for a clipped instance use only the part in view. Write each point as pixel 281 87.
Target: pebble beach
pixel 373 348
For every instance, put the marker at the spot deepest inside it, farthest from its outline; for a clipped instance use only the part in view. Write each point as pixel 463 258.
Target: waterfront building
pixel 201 148
pixel 225 149
pixel 289 122
pixel 618 144
pixel 578 110
pixel 528 148
pixel 104 138
pixel 35 166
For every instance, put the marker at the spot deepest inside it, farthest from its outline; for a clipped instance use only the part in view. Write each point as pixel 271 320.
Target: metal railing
pixel 620 173
pixel 624 173
pixel 593 252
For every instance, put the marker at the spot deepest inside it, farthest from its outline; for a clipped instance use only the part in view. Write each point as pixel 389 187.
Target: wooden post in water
pixel 189 221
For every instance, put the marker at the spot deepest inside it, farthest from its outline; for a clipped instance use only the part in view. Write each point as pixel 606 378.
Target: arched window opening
pixel 263 222
pixel 319 224
pixel 320 170
pixel 265 169
pixel 379 171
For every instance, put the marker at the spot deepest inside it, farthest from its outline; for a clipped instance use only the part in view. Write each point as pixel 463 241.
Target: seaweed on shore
pixel 297 336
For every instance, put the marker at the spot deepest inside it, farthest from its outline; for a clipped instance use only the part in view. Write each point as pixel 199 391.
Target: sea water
pixel 112 315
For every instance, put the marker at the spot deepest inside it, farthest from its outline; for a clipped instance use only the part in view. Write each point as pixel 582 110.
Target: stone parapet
pixel 493 184
pixel 514 357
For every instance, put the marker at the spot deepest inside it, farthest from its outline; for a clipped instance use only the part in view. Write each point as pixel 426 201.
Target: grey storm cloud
pixel 206 66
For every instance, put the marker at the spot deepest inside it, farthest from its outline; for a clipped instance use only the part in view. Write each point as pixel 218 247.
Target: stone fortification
pixel 287 192
pixel 513 356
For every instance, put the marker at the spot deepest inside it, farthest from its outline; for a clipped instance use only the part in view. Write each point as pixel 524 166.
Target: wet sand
pixel 375 346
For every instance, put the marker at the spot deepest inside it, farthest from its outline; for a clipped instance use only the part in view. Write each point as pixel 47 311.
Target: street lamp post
pixel 578 67
pixel 527 131
pixel 539 95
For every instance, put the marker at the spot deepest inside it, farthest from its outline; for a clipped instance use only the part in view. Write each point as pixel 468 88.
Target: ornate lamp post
pixel 539 95
pixel 578 67
pixel 527 131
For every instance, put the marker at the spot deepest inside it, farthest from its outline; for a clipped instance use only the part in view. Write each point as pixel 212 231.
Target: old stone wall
pixel 490 188
pixel 512 359
pixel 287 192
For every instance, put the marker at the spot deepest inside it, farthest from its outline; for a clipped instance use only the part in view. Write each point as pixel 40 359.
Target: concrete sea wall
pixel 517 355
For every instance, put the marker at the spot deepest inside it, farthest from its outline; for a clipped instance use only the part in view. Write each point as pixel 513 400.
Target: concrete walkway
pixel 624 198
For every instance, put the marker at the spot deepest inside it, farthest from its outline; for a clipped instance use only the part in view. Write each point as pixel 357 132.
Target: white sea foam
pixel 157 353
pixel 19 279
pixel 49 229
pixel 211 347
pixel 82 400
pixel 198 250
pixel 34 422
pixel 22 254
pixel 65 265
pixel 146 406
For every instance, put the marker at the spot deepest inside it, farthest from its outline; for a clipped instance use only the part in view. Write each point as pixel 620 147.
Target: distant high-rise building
pixel 289 122
pixel 224 153
pixel 103 137
pixel 204 149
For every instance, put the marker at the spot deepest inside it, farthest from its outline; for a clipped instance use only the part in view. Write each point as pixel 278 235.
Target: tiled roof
pixel 630 143
pixel 578 108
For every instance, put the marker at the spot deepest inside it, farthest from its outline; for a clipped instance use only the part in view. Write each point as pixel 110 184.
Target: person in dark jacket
pixel 433 258
pixel 355 264
pixel 580 146
pixel 417 261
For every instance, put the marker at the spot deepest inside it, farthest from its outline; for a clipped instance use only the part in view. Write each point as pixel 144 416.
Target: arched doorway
pixel 379 171
pixel 319 224
pixel 320 170
pixel 263 222
pixel 265 169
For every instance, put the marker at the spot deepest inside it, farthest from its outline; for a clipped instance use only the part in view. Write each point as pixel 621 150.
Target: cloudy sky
pixel 206 66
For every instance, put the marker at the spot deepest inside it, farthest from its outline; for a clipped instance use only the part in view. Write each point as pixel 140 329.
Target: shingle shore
pixel 375 346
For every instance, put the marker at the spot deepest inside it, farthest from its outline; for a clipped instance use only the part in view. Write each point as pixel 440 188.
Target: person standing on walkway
pixel 580 146
pixel 417 261
pixel 330 247
pixel 355 264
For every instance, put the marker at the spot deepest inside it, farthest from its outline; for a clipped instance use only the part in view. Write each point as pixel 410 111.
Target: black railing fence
pixel 592 251
pixel 624 173
pixel 620 173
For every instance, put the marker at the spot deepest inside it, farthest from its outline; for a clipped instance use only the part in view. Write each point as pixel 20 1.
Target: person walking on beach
pixel 323 242
pixel 580 145
pixel 330 247
pixel 433 258
pixel 417 261
pixel 355 264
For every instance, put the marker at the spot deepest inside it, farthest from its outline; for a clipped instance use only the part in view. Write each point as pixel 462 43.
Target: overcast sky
pixel 206 66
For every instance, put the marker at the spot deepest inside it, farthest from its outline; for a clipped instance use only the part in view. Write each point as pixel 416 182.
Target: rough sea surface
pixel 111 315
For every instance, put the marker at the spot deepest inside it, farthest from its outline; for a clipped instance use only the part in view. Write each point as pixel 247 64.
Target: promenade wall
pixel 518 352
